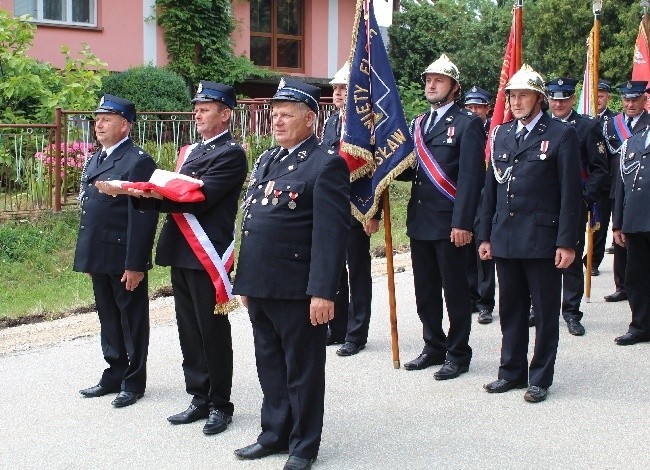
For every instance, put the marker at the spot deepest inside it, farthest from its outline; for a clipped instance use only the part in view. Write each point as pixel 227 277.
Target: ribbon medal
pixel 450 133
pixel 267 191
pixel 292 203
pixel 543 148
pixel 276 197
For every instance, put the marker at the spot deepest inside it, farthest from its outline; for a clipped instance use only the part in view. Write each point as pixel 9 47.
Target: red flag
pixel 641 63
pixel 511 63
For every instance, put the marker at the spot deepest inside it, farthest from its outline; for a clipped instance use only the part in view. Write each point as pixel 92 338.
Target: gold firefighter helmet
pixel 526 79
pixel 443 66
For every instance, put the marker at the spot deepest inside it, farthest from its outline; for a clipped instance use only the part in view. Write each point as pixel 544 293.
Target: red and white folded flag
pixel 174 186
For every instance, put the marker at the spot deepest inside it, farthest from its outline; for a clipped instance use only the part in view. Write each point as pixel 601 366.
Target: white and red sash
pixel 441 181
pixel 216 266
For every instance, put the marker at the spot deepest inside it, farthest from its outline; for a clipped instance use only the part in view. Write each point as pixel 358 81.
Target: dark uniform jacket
pixel 632 198
pixel 222 166
pixel 295 253
pixel 593 154
pixel 614 143
pixel 607 115
pixel 430 214
pixel 113 235
pixel 537 210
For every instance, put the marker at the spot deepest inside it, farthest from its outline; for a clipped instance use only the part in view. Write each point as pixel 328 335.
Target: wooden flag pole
pixel 390 271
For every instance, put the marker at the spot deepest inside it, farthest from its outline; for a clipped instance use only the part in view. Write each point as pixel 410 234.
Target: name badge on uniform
pixel 450 134
pixel 543 148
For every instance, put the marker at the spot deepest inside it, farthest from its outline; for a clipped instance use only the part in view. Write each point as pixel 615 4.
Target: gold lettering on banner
pixel 393 143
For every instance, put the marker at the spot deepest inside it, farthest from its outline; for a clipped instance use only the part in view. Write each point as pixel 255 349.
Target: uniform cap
pixel 116 105
pixel 443 66
pixel 477 95
pixel 561 88
pixel 526 79
pixel 291 89
pixel 213 91
pixel 604 85
pixel 342 76
pixel 633 88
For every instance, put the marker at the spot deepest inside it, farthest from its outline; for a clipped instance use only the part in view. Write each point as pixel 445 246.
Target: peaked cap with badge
pixel 561 88
pixel 604 85
pixel 290 89
pixel 116 105
pixel 478 96
pixel 213 91
pixel 633 88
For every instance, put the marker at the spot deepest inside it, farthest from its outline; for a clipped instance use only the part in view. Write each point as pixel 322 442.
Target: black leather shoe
pixel 256 451
pixel 502 385
pixel 349 349
pixel 535 394
pixel 193 413
pixel 595 272
pixel 331 341
pixel 217 422
pixel 610 250
pixel 298 463
pixel 484 317
pixel 423 361
pixel 629 339
pixel 98 391
pixel 575 327
pixel 126 398
pixel 450 370
pixel 617 296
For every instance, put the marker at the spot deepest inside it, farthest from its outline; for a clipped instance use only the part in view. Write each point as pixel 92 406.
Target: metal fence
pixel 40 164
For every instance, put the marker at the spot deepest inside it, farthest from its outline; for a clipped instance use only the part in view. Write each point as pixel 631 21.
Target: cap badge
pixel 560 82
pixel 101 101
pixel 473 90
pixel 629 85
pixel 281 85
pixel 200 88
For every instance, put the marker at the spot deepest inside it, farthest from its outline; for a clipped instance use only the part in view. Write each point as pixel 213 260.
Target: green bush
pixel 150 88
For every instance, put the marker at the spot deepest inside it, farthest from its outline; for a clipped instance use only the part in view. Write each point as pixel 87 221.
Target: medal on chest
pixel 543 148
pixel 450 134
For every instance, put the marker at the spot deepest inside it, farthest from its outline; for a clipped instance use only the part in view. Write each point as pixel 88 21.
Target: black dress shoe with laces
pixel 191 414
pixel 349 349
pixel 617 296
pixel 575 327
pixel 125 398
pixel 484 316
pixel 595 272
pixel 535 394
pixel 423 361
pixel 256 451
pixel 502 385
pixel 98 391
pixel 297 463
pixel 629 339
pixel 450 370
pixel 217 422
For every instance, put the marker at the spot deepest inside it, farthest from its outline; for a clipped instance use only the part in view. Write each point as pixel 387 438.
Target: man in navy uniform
pixel 631 227
pixel 203 324
pixel 480 274
pixel 352 306
pixel 529 225
pixel 595 172
pixel 446 187
pixel 114 247
pixel 296 218
pixel 633 119
pixel 604 199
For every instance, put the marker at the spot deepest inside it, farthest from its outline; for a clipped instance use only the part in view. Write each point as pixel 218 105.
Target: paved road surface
pixel 597 414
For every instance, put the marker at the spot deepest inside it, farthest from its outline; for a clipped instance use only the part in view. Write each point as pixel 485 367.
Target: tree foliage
pixel 150 88
pixel 199 43
pixel 30 90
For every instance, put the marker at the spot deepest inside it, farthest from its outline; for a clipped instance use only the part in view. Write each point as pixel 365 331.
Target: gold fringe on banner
pixel 226 308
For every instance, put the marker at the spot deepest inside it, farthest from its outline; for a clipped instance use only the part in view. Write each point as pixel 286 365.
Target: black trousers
pixel 600 236
pixel 520 282
pixel 206 342
pixel 573 278
pixel 481 279
pixel 124 321
pixel 438 265
pixel 290 356
pixel 637 282
pixel 354 299
pixel 620 267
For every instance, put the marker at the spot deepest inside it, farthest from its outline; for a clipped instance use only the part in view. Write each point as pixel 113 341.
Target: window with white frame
pixel 73 12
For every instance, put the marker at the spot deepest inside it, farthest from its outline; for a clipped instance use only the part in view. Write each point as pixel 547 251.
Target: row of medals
pixel 276 194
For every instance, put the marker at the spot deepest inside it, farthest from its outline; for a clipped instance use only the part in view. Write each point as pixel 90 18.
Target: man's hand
pixel 460 237
pixel 244 300
pixel 132 279
pixel 485 251
pixel 320 311
pixel 619 238
pixel 372 226
pixel 564 257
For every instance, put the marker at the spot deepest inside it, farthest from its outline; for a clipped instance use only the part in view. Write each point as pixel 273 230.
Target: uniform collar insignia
pixel 449 118
pixel 302 154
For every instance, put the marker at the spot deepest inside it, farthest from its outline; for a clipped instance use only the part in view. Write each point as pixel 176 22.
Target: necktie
pixel 431 122
pixel 276 160
pixel 629 123
pixel 521 136
pixel 338 126
pixel 102 157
